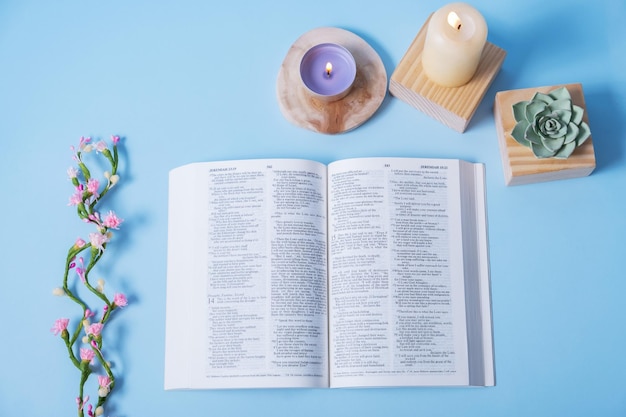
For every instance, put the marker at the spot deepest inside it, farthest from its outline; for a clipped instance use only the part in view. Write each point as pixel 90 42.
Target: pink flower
pixel 94 218
pixel 72 172
pixel 87 355
pixel 120 300
pixel 112 221
pixel 104 381
pixel 81 403
pixel 79 243
pixel 59 326
pixel 84 142
pixel 81 274
pixel 93 185
pixel 98 240
pixel 95 329
pixel 80 270
pixel 89 313
pixel 101 146
pixel 76 198
pixel 115 139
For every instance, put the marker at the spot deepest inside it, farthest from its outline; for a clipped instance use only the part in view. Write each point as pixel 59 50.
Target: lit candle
pixel 328 71
pixel 455 38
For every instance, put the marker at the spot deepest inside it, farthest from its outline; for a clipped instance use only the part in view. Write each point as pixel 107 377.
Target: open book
pixel 365 272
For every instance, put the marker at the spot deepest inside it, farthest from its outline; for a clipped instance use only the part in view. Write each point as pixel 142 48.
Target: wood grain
pixel 365 97
pixel 452 106
pixel 519 163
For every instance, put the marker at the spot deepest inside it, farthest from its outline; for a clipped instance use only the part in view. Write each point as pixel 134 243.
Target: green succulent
pixel 550 124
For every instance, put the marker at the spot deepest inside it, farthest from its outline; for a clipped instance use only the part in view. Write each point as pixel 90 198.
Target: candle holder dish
pixel 452 106
pixel 520 164
pixel 365 97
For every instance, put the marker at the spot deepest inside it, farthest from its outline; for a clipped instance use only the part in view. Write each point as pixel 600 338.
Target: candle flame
pixel 329 68
pixel 454 20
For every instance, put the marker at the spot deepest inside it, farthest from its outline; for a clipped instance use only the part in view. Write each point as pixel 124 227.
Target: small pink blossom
pixel 83 142
pixel 80 270
pixel 59 326
pixel 94 345
pixel 112 221
pixel 81 274
pixel 94 329
pixel 120 300
pixel 115 139
pixel 94 218
pixel 76 198
pixel 81 403
pixel 100 146
pixel 79 243
pixel 98 240
pixel 104 381
pixel 93 185
pixel 89 313
pixel 103 386
pixel 87 355
pixel 72 172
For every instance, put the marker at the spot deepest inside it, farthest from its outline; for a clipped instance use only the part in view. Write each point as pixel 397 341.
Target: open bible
pixel 290 273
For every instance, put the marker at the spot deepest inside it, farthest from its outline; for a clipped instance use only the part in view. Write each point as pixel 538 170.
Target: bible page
pixel 246 285
pixel 396 285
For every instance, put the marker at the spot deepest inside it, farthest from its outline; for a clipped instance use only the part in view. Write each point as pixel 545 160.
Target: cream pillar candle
pixel 455 38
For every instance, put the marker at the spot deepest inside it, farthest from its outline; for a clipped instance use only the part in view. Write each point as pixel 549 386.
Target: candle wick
pixel 329 69
pixel 458 27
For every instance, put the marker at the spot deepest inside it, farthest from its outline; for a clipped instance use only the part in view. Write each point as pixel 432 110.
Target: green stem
pixel 116 159
pixel 71 256
pixel 84 170
pixel 95 257
pixel 70 353
pixel 86 371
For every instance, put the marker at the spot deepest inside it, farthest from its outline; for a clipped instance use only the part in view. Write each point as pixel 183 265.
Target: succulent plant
pixel 550 124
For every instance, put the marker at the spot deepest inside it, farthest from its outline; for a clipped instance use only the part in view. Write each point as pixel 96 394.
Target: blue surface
pixel 194 81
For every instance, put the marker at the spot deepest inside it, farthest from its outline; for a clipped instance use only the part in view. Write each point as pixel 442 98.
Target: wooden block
pixel 519 163
pixel 365 97
pixel 452 106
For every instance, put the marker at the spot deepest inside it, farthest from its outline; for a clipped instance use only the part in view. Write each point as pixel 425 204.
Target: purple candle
pixel 328 71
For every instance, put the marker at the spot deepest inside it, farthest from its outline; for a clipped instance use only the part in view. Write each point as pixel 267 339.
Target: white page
pixel 246 295
pixel 396 284
pixel 477 280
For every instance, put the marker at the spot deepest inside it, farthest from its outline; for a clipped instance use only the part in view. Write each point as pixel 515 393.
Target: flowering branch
pixel 88 193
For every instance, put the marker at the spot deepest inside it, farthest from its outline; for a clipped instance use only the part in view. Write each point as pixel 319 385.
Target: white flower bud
pixel 114 179
pixel 85 339
pixel 103 392
pixel 99 410
pixel 59 292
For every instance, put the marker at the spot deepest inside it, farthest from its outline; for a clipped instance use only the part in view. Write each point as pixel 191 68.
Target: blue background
pixel 191 81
